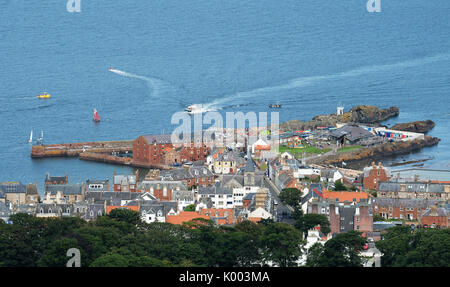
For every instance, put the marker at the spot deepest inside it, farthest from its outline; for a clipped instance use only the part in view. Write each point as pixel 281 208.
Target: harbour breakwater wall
pixel 362 157
pixel 104 151
pixel 75 149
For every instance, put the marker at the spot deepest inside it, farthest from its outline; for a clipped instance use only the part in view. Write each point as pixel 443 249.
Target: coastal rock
pixel 372 114
pixel 416 127
pixel 358 114
pixel 362 157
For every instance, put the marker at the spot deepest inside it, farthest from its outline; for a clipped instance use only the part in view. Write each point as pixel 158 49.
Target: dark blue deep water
pixel 228 55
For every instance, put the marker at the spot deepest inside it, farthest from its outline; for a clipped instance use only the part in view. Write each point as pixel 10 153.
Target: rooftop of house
pixel 161 184
pixel 66 189
pixel 352 132
pixel 436 211
pixel 368 169
pixel 110 195
pixel 185 216
pixel 158 139
pixel 229 179
pixel 4 209
pixel 56 179
pixel 214 190
pixel 32 189
pixel 12 187
pixel 392 186
pixel 97 181
pixel 186 195
pixel 124 179
pixel 183 174
pixel 403 202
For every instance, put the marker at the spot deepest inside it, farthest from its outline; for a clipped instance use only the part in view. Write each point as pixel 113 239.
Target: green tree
pixel 125 215
pixel 314 254
pixel 190 207
pixel 403 247
pixel 339 186
pixel 282 244
pixel 340 251
pixel 291 197
pixel 309 221
pixel 111 260
pixel 56 253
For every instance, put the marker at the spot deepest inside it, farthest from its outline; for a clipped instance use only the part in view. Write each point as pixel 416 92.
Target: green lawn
pixel 297 152
pixel 349 148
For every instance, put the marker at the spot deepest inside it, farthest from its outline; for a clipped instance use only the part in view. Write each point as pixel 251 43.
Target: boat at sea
pixel 96 117
pixel 277 105
pixel 193 109
pixel 44 96
pixel 30 140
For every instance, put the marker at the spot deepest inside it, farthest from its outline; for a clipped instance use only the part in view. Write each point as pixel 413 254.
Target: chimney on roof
pixel 434 210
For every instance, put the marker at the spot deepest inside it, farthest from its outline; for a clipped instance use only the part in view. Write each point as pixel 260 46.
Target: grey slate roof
pixel 439 212
pixel 397 202
pixel 183 174
pixel 351 132
pixel 4 210
pixel 411 187
pixel 185 195
pixel 172 185
pixel 250 165
pixel 154 206
pixel 158 139
pixel 94 210
pixel 215 190
pixel 130 178
pixel 66 189
pixel 110 195
pixel 13 187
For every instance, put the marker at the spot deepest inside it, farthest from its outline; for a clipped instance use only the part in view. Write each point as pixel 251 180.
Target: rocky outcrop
pixel 359 114
pixel 416 127
pixel 362 157
pixel 372 114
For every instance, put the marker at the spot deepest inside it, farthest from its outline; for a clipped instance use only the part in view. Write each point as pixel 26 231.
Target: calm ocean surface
pixel 228 55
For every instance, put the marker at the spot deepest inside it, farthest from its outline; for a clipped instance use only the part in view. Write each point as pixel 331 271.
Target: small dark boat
pixel 275 106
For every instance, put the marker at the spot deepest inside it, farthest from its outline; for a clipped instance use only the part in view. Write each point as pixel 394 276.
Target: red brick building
pixel 162 190
pixel 194 176
pixel 345 216
pixel 125 183
pixel 435 217
pixel 157 150
pixel 375 174
pixel 56 179
pixel 401 208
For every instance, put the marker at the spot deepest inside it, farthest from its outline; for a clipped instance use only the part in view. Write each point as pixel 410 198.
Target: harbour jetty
pixel 75 149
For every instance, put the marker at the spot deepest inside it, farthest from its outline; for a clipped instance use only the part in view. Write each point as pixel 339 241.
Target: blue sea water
pixel 227 55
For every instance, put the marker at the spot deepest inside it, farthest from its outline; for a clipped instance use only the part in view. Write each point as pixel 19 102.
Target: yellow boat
pixel 44 96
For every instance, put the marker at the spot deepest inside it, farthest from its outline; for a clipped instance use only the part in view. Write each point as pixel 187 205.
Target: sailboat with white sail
pixel 30 140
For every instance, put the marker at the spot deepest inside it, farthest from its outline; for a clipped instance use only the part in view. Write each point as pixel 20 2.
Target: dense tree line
pixel 425 247
pixel 122 239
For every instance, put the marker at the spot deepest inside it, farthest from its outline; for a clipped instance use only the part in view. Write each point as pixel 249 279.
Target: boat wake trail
pixel 311 80
pixel 155 85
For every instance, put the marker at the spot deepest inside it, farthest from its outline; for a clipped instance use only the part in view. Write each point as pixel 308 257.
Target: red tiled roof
pixel 184 216
pixel 345 195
